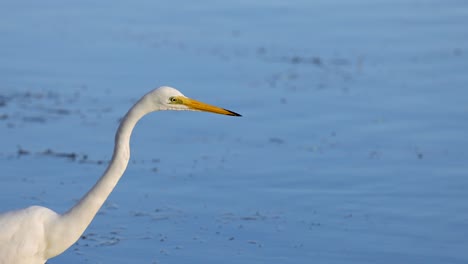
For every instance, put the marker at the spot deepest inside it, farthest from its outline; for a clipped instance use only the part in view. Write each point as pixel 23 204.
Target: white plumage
pixel 35 234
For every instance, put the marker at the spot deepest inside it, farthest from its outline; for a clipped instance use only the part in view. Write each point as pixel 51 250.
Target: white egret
pixel 35 234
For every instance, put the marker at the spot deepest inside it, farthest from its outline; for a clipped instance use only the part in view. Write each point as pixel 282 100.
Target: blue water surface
pixel 352 147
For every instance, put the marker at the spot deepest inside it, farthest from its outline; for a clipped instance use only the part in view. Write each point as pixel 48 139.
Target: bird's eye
pixel 173 100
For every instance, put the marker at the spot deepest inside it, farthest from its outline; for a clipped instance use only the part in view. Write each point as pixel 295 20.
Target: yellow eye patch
pixel 175 100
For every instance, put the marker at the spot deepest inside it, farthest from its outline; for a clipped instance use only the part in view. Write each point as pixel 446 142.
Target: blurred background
pixel 352 147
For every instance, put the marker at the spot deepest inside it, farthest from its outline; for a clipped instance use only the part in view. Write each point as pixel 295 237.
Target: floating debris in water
pixel 276 140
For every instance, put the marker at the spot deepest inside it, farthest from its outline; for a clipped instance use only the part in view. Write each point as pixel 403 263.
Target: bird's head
pixel 168 98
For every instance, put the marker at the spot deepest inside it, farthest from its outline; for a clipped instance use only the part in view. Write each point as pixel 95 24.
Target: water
pixel 351 148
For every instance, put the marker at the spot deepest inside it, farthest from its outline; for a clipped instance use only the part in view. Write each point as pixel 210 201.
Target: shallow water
pixel 352 147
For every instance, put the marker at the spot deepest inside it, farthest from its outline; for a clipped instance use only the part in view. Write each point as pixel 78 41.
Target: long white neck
pixel 70 226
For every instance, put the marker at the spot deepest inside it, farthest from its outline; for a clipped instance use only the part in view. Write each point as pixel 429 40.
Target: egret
pixel 36 234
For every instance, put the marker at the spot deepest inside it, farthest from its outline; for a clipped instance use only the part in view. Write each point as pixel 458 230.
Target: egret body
pixel 35 234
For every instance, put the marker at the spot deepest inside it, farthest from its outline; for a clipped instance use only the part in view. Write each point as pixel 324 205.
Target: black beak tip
pixel 233 113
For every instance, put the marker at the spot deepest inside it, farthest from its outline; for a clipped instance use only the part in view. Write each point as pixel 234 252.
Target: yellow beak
pixel 200 106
